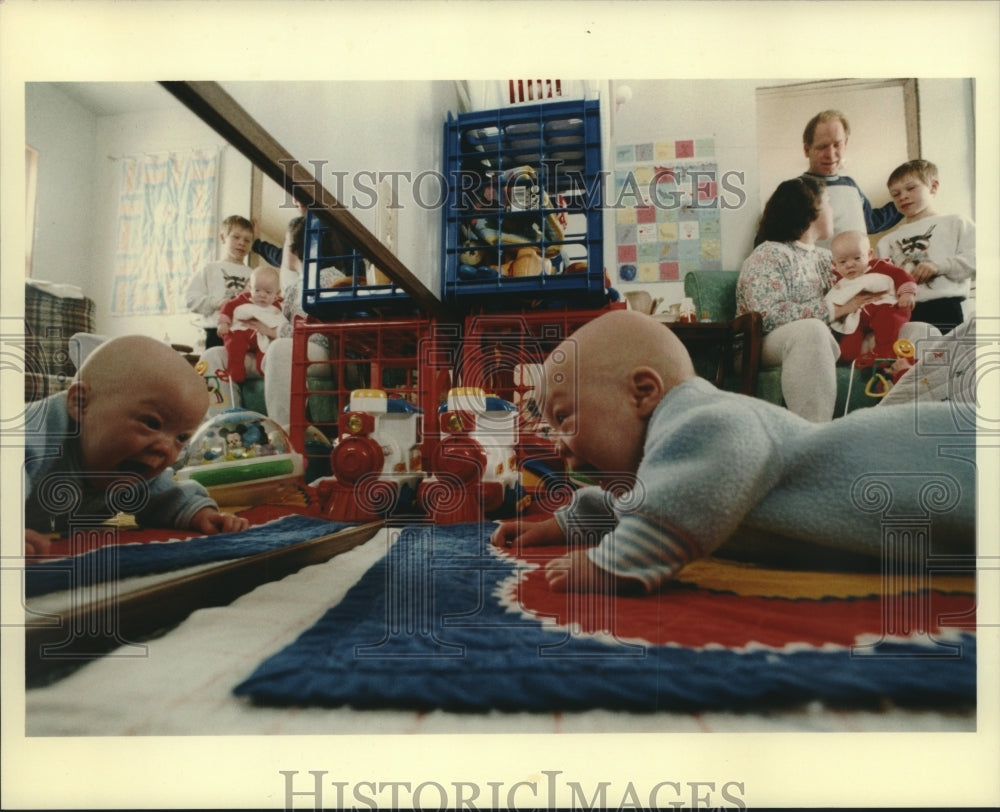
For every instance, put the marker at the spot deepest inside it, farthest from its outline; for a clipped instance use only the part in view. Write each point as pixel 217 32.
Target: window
pixel 30 190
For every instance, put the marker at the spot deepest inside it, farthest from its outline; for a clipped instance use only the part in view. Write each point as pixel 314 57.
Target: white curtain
pixel 167 229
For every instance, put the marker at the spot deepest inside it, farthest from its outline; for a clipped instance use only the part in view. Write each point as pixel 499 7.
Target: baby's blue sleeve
pixel 704 470
pixel 589 512
pixel 172 503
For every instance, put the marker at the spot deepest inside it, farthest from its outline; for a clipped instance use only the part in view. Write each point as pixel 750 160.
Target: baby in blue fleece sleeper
pixel 684 466
pixel 116 431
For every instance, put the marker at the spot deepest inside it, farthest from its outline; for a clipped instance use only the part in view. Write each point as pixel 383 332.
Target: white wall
pixel 364 129
pixel 722 109
pixel 947 138
pixel 360 128
pixel 726 110
pixel 77 199
pixel 877 143
pixel 65 135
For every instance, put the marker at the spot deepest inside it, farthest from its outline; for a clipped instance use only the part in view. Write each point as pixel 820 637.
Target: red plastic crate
pixel 409 358
pixel 498 349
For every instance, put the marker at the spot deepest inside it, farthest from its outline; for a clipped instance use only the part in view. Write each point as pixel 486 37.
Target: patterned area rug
pixel 445 620
pixel 144 552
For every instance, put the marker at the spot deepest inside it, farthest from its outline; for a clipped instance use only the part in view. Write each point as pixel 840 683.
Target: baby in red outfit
pixel 239 317
pixel 857 271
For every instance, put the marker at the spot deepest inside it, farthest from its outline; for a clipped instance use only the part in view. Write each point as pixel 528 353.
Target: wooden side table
pixel 736 344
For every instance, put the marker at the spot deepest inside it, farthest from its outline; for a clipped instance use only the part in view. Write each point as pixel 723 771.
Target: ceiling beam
pixel 222 113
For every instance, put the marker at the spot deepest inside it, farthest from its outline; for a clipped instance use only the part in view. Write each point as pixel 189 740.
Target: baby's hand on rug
pixel 35 543
pixel 210 521
pixel 577 573
pixel 517 533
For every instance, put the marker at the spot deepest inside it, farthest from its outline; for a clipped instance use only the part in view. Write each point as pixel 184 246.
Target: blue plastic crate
pixel 523 221
pixel 336 283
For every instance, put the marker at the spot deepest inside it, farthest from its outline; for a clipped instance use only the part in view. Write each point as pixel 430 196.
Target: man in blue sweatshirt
pixel 824 142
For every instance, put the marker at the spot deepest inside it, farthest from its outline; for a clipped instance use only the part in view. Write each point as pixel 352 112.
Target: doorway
pixel 885 129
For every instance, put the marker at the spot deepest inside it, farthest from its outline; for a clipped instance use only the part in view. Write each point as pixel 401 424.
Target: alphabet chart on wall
pixel 666 205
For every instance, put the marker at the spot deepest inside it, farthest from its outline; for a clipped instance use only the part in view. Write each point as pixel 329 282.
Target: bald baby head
pixel 137 402
pixel 602 385
pixel 619 341
pixel 139 363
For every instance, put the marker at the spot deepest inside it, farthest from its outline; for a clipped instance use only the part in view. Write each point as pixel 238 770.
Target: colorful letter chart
pixel 666 208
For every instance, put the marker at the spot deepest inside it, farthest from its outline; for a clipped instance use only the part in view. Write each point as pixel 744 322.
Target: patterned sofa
pixel 52 314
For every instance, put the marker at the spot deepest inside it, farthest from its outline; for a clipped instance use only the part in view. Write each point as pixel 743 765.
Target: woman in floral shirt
pixel 785 279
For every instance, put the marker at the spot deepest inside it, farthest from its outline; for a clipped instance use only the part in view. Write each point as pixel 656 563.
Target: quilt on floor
pixel 445 620
pixel 149 558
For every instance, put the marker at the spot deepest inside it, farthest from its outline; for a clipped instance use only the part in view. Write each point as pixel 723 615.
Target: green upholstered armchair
pixel 320 408
pixel 714 295
pixel 252 391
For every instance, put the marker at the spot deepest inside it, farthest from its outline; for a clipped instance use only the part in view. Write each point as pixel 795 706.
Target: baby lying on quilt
pixel 683 466
pixel 107 444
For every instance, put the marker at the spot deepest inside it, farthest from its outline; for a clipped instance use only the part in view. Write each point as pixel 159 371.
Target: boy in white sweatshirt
pixel 222 280
pixel 939 250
